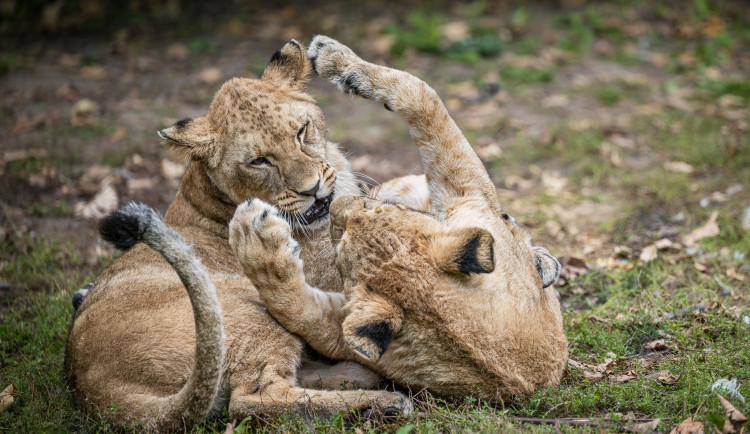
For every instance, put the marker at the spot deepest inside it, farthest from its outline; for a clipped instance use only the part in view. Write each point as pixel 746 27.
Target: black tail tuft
pixel 121 229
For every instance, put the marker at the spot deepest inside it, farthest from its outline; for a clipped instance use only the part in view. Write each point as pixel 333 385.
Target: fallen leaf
pixel 120 133
pixel 94 72
pixel 553 182
pixel 593 375
pixel 22 154
pixel 647 427
pixel 26 123
pixel 455 30
pixel 177 51
pixel 516 182
pixel 171 170
pixel 210 76
pixel 556 101
pixel 667 377
pixel 657 345
pixel 103 203
pixel 709 229
pixel 688 426
pixel 678 167
pixel 6 397
pixel 623 377
pixel 648 253
pixel 135 184
pixel 598 318
pixel 734 419
pixel 489 152
pixel 82 112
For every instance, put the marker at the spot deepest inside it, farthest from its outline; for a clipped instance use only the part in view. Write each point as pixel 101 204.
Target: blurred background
pixel 613 130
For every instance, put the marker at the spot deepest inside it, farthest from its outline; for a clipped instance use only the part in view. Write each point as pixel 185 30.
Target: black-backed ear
pixel 191 138
pixel 289 66
pixel 547 265
pixel 371 325
pixel 465 251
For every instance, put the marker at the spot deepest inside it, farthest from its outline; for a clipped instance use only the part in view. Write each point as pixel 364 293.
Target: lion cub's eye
pixel 301 133
pixel 260 161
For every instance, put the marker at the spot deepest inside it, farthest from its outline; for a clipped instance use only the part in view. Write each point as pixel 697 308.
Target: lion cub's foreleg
pixel 449 162
pixel 269 256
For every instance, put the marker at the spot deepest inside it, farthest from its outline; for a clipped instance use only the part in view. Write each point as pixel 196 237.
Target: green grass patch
pixel 609 95
pixel 518 74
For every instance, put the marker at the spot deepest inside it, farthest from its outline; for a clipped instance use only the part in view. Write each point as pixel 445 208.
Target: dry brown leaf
pixel 647 426
pixel 94 72
pixel 688 426
pixel 103 203
pixel 648 253
pixel 119 134
pixel 678 167
pixel 709 229
pixel 622 377
pixel 455 30
pixel 25 123
pixel 556 101
pixel 667 377
pixel 489 152
pixel 657 345
pixel 171 170
pixel 210 76
pixel 6 397
pixel 647 362
pixel 734 419
pixel 177 51
pixel 598 318
pixel 136 184
pixel 83 111
pixel 593 375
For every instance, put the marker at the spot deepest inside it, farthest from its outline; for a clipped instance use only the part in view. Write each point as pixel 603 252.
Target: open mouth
pixel 317 210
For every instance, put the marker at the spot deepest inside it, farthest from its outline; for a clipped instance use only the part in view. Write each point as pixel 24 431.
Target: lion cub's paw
pixel 338 64
pixel 262 241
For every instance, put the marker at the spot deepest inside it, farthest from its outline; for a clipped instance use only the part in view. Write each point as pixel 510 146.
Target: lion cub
pixel 144 351
pixel 453 302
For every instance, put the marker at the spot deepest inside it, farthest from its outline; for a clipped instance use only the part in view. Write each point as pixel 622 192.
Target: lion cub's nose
pixel 312 191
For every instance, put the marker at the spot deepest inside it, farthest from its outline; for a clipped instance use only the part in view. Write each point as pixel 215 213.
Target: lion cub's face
pixel 266 139
pixel 394 260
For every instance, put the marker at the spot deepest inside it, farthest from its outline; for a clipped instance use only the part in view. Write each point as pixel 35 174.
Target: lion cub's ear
pixel 464 251
pixel 191 138
pixel 371 324
pixel 289 66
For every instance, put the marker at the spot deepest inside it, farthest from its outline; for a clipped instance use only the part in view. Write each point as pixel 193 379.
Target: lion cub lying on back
pixel 453 303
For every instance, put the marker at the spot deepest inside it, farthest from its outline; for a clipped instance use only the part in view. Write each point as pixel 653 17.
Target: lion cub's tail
pixel 138 222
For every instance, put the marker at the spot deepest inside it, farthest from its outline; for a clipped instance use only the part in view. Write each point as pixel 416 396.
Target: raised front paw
pixel 262 243
pixel 337 63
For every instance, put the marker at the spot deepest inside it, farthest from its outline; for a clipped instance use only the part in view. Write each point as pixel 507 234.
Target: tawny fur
pixel 131 352
pixel 453 303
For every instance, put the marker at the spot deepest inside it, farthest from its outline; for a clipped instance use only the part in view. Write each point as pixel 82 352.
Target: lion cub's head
pixel 266 138
pixel 399 263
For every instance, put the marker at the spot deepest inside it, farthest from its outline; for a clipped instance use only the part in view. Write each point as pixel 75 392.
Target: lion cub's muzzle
pixel 317 210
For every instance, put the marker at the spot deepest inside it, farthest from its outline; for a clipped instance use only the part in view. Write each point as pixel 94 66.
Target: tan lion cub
pixel 142 350
pixel 453 303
